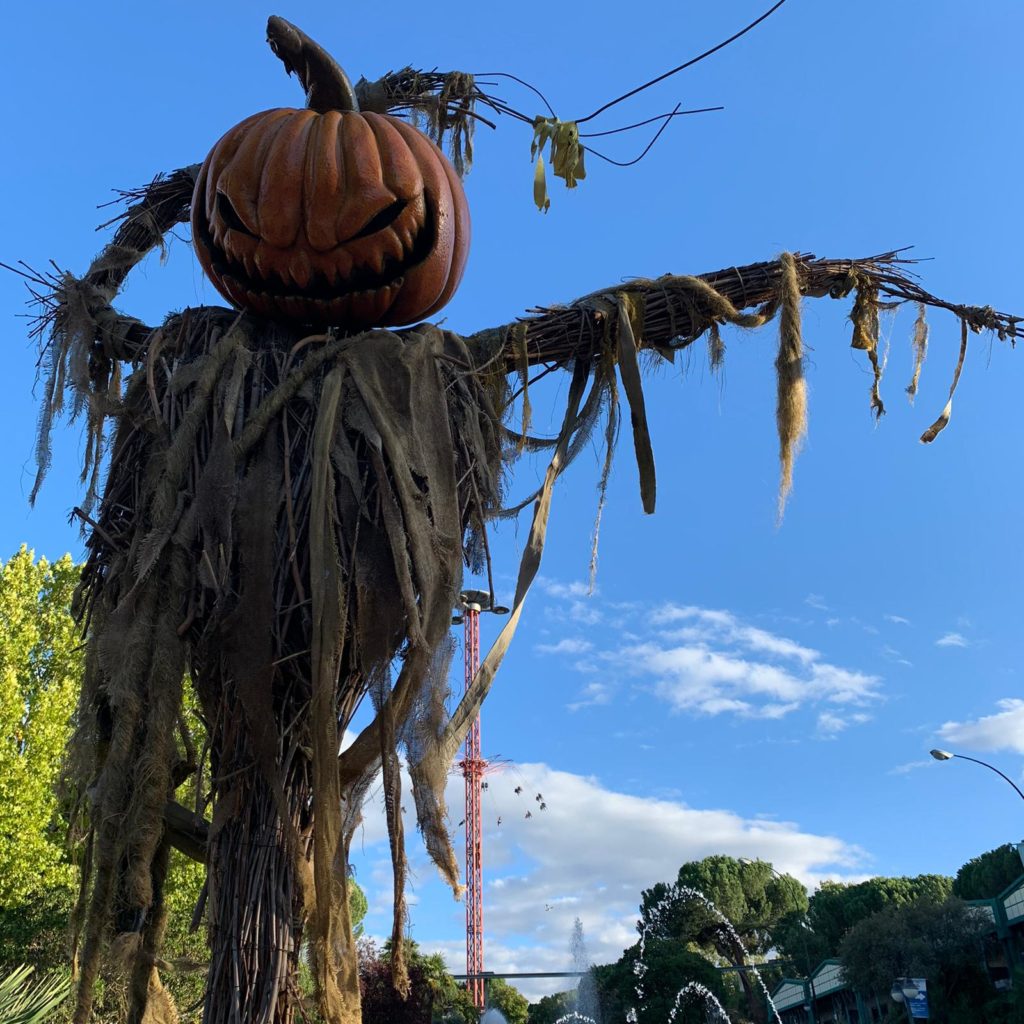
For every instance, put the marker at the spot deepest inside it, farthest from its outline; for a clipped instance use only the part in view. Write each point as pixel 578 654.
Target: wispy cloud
pixel 592 695
pixel 562 589
pixel 1002 731
pixel 897 620
pixel 830 723
pixel 893 655
pixel 567 645
pixel 910 766
pixel 711 661
pixel 816 601
pixel 725 625
pixel 952 640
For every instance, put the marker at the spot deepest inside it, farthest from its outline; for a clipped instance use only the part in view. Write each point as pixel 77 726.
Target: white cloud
pixel 831 724
pixel 1002 731
pixel 910 766
pixel 695 676
pixel 894 655
pixel 584 612
pixel 897 620
pixel 589 855
pixel 591 695
pixel 816 601
pixel 951 640
pixel 560 589
pixel 567 645
pixel 708 661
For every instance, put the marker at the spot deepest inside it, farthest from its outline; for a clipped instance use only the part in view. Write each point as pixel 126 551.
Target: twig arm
pixel 186 831
pixel 678 310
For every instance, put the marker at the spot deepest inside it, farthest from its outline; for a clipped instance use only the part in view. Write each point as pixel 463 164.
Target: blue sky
pixel 732 687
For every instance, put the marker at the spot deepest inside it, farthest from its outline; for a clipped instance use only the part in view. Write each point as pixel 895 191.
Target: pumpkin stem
pixel 327 86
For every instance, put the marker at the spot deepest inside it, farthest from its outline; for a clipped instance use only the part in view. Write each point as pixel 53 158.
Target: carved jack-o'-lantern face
pixel 333 218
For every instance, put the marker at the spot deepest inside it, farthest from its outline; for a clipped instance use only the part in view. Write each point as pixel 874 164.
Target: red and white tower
pixel 473 768
pixel 473 773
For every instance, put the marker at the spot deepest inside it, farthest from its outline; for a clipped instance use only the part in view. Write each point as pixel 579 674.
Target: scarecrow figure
pixel 293 492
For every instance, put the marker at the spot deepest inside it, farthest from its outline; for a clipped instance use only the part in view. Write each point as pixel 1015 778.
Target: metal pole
pixel 985 764
pixel 945 755
pixel 472 767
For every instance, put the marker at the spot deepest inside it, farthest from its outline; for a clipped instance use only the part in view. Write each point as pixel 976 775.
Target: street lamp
pixel 903 991
pixel 746 861
pixel 945 755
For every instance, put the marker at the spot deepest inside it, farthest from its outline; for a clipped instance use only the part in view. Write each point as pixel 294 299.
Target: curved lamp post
pixel 945 755
pixel 803 940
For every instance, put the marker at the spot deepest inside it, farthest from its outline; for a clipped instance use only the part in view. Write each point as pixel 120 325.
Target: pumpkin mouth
pixel 322 286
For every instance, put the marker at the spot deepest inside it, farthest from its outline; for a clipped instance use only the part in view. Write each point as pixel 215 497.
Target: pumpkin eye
pixel 229 215
pixel 381 220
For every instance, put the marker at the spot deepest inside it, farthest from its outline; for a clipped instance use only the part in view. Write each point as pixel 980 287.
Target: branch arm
pixel 677 311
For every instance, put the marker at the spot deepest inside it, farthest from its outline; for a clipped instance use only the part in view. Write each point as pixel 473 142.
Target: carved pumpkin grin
pixel 331 218
pixel 340 287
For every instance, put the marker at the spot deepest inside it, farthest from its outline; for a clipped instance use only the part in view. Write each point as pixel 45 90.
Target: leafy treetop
pixel 987 875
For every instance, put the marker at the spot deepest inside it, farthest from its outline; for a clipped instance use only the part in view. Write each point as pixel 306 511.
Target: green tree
pixel 986 876
pixel 434 995
pixel 514 1006
pixel 40 668
pixel 835 908
pixel 548 1009
pixel 669 968
pixel 941 941
pixel 749 895
pixel 357 906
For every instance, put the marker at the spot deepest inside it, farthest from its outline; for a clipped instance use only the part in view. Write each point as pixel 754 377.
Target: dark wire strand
pixel 650 120
pixel 522 82
pixel 646 149
pixel 682 67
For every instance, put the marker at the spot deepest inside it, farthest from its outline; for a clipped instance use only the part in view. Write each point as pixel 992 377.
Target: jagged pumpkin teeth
pixel 276 183
pixel 301 270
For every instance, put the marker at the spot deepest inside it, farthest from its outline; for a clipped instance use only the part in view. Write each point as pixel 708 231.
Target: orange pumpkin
pixel 331 218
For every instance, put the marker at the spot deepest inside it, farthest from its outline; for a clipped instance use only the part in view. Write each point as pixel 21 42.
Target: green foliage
pixel 434 995
pixel 986 876
pixel 357 906
pixel 23 1001
pixel 35 932
pixel 836 908
pixel 670 968
pixel 938 940
pixel 40 676
pixel 514 1006
pixel 548 1009
pixel 749 894
pixel 796 940
pixel 40 670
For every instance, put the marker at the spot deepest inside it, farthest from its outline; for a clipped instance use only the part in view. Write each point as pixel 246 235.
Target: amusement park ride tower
pixel 473 766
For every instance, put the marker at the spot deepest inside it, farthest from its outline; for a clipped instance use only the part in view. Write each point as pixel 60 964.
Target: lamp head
pixel 941 755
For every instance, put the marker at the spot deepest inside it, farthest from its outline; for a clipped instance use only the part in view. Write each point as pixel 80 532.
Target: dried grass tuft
pixel 791 407
pixel 920 343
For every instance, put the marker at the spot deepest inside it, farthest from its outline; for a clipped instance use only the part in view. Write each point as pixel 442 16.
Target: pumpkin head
pixel 331 217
